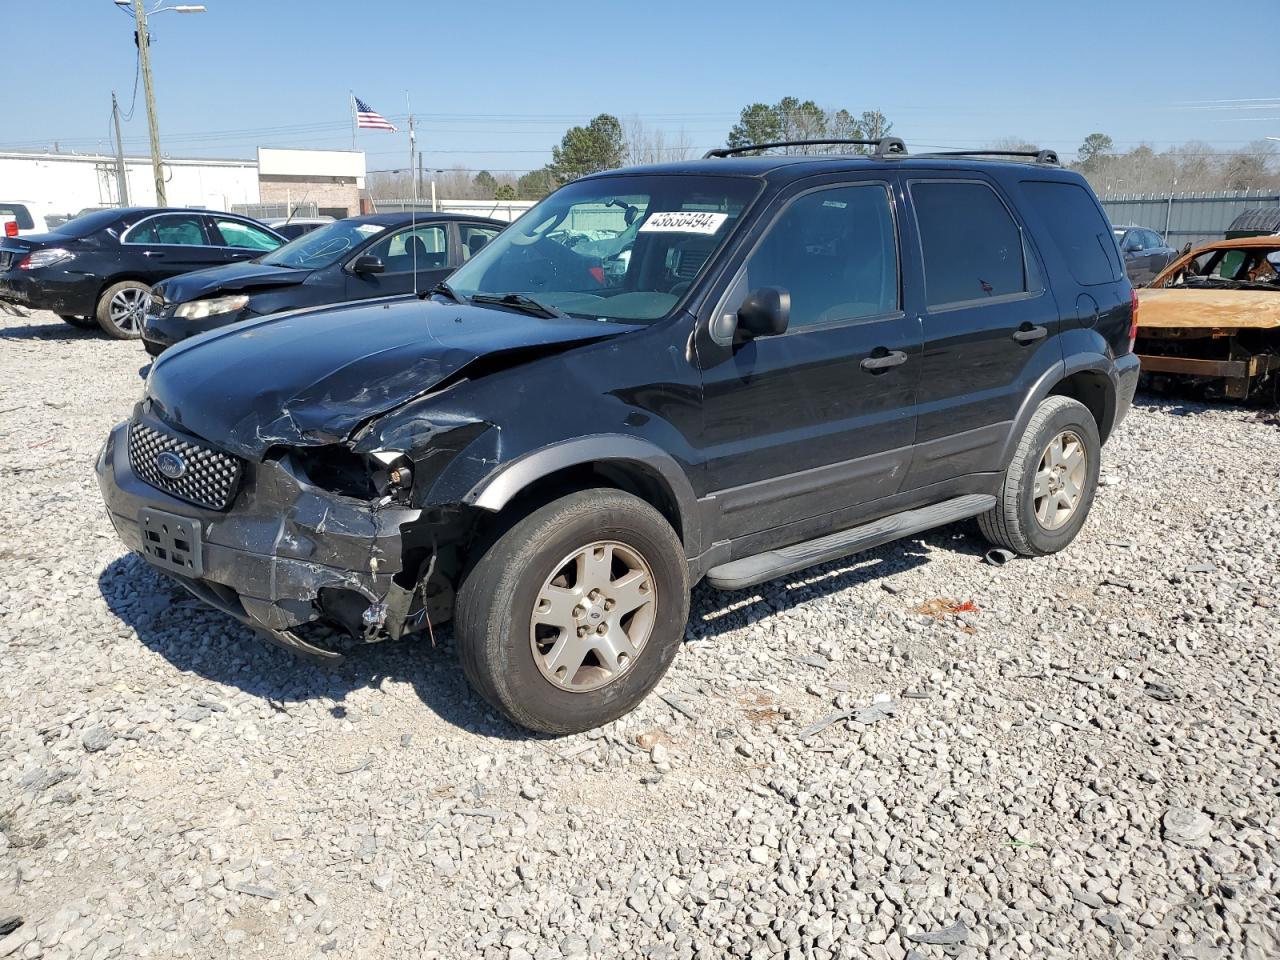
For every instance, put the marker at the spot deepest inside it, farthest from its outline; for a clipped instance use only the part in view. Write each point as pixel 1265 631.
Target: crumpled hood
pixel 228 278
pixel 311 377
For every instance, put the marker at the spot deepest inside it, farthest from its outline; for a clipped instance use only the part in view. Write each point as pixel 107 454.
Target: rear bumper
pixel 267 558
pixel 56 290
pixel 1127 369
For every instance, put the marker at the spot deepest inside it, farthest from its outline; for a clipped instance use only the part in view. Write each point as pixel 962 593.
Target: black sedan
pixel 98 269
pixel 1145 253
pixel 354 259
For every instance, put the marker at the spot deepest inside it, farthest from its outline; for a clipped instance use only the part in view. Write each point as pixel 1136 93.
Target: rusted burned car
pixel 1213 315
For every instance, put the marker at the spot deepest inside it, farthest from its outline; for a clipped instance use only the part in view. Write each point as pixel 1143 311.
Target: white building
pixel 69 182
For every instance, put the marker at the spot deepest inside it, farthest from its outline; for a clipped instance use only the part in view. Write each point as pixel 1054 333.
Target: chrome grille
pixel 210 478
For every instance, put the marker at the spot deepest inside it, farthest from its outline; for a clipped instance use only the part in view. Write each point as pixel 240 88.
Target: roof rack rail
pixel 1049 157
pixel 884 147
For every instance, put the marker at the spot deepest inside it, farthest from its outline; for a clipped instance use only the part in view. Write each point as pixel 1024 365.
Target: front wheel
pixel 574 614
pixel 1050 483
pixel 121 309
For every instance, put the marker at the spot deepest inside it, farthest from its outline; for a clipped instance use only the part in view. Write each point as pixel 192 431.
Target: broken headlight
pixel 338 469
pixel 199 309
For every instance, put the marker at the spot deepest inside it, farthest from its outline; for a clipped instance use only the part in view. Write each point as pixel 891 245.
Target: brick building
pixel 331 179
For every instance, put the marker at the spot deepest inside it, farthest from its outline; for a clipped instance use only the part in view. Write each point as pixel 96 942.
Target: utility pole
pixel 122 175
pixel 413 146
pixel 142 37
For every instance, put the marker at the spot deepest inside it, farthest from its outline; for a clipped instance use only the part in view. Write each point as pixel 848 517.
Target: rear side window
pixel 972 246
pixel 1072 219
pixel 18 212
pixel 182 229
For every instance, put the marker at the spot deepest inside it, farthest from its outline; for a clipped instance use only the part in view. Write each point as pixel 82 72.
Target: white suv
pixel 18 218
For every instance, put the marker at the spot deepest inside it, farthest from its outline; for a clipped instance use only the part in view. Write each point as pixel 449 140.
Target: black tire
pixel 1012 523
pixel 496 602
pixel 115 327
pixel 84 323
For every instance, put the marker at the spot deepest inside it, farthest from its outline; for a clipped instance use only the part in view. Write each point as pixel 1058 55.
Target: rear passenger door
pixel 990 329
pixel 472 238
pixel 167 244
pixel 819 418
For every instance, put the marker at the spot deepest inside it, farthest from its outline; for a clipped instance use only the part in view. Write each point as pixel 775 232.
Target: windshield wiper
pixel 520 302
pixel 444 290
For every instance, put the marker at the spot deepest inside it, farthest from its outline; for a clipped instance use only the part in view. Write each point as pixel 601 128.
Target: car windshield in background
pixel 623 248
pixel 322 246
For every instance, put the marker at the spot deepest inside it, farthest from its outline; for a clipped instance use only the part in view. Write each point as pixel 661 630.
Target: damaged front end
pixel 326 534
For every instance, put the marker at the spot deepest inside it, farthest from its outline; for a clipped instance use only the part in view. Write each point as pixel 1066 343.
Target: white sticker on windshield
pixel 677 221
pixel 369 229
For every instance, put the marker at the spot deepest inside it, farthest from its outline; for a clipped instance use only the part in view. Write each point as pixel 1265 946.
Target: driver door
pixel 821 417
pixel 426 246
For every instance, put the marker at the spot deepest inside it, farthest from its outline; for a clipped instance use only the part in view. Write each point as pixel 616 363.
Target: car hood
pixel 311 377
pixel 228 278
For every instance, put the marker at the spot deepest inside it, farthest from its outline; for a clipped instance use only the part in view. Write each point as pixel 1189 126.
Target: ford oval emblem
pixel 171 465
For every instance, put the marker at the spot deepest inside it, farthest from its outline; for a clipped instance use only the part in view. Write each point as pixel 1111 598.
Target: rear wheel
pixel 573 615
pixel 1050 484
pixel 84 323
pixel 121 309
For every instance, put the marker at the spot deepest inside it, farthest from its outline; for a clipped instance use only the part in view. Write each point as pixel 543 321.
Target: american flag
pixel 369 119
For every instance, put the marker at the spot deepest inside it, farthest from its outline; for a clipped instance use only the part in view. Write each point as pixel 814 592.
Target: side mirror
pixel 367 264
pixel 1131 246
pixel 765 313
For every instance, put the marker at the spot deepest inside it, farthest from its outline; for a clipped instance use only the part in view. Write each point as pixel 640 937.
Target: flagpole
pixel 351 98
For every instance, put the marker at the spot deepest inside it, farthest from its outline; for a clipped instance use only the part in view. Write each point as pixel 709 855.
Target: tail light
pixel 1133 318
pixel 11 228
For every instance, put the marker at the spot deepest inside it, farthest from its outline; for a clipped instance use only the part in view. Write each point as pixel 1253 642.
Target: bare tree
pixel 645 144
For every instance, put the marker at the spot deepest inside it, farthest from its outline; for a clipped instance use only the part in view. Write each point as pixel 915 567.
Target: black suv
pixel 727 369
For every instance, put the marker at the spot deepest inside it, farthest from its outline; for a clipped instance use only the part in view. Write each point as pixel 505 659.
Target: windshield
pixel 322 246
pixel 87 223
pixel 624 248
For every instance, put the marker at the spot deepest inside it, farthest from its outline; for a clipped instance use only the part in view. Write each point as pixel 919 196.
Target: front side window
pixel 181 229
pixel 972 246
pixel 237 233
pixel 426 247
pixel 835 252
pixel 620 247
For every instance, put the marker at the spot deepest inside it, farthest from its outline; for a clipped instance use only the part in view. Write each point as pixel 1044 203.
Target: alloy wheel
pixel 127 308
pixel 1060 480
pixel 593 616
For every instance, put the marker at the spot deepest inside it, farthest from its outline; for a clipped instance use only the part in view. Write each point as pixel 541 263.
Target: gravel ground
pixel 1069 757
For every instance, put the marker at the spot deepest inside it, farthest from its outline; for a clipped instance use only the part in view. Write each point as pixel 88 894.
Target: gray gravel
pixel 911 754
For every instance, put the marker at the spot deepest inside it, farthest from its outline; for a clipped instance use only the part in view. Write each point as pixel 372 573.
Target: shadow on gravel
pixel 713 612
pixel 197 639
pixel 49 331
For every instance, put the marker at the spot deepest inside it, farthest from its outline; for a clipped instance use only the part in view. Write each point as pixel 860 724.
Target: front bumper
pixel 161 330
pixel 281 542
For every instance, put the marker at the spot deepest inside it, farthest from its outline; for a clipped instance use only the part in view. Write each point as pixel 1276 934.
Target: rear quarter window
pixel 1070 216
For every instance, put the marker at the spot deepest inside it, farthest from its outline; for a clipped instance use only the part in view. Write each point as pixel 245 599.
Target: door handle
pixel 893 358
pixel 1029 334
pixel 153 253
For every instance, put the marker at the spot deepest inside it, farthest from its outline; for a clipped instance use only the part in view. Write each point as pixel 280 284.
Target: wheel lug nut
pixel 578 611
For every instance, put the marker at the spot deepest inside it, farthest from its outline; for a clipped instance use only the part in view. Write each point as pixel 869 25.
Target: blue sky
pixel 495 84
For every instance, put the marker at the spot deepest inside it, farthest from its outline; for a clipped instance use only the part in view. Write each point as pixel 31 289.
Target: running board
pixel 749 571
